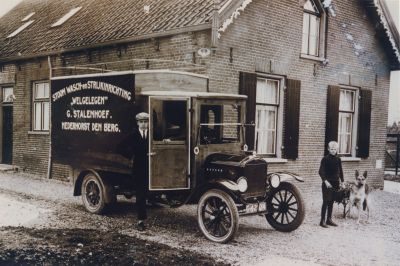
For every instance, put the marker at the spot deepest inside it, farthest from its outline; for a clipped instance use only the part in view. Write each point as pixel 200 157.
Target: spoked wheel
pixel 93 194
pixel 217 216
pixel 285 208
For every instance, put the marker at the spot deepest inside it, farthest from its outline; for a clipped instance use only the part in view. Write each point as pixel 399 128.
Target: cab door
pixel 169 142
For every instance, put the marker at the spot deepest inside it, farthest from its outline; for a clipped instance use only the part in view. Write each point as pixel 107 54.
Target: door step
pixel 8 168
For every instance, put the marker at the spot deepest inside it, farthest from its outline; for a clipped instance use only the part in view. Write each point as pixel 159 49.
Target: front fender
pixel 287 176
pixel 226 185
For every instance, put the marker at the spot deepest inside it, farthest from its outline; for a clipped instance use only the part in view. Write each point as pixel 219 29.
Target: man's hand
pixel 327 184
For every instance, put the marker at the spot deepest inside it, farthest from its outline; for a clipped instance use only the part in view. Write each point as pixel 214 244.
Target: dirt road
pixel 51 227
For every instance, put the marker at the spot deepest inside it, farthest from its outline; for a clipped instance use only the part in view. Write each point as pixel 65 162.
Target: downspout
pixel 49 165
pixel 214 29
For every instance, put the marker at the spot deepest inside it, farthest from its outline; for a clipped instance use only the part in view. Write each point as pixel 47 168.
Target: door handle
pixel 152 153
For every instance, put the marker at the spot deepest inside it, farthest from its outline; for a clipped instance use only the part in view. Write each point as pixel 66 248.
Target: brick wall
pixel 31 149
pixel 265 31
pixel 271 30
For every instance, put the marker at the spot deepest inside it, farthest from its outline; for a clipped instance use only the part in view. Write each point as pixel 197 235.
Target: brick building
pixel 313 70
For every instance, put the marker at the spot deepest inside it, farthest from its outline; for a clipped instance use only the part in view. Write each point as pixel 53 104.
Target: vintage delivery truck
pixel 197 150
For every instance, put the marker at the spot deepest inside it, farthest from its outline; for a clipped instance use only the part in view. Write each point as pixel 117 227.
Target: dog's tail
pixel 364 205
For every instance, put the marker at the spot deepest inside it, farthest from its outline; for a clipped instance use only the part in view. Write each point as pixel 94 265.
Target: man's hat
pixel 142 116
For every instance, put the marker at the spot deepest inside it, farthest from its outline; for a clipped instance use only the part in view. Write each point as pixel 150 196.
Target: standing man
pixel 141 167
pixel 136 147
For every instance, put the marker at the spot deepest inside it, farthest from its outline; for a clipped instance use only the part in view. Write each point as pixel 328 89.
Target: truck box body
pixel 92 114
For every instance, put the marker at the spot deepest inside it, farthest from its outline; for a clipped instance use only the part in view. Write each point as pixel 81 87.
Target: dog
pixel 359 191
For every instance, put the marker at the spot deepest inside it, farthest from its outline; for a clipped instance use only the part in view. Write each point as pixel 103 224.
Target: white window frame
pixel 278 117
pixel 28 16
pixel 354 120
pixel 7 99
pixel 320 56
pixel 24 26
pixel 66 17
pixel 41 102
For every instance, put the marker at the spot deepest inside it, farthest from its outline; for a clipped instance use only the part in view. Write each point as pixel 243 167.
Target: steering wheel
pixel 209 135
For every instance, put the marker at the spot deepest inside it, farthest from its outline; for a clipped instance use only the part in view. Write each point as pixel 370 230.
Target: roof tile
pixel 98 21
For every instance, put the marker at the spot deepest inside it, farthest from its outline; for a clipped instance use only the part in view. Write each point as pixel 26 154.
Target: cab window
pixel 169 120
pixel 219 123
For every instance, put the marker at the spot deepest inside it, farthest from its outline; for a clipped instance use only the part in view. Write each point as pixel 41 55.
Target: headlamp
pixel 274 181
pixel 242 184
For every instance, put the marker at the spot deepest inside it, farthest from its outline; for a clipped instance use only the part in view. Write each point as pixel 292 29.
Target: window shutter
pixel 248 86
pixel 364 123
pixel 292 115
pixel 332 116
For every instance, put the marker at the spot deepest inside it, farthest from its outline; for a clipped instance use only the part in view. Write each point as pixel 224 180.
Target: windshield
pixel 220 123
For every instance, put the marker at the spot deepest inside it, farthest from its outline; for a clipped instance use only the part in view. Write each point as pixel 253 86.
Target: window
pixel 66 16
pixel 170 120
pixel 28 16
pixel 220 123
pixel 20 29
pixel 267 104
pixel 314 20
pixel 268 132
pixel 41 106
pixel 347 121
pixel 8 96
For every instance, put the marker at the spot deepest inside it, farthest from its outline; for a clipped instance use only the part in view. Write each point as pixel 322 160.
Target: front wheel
pixel 93 194
pixel 217 216
pixel 285 207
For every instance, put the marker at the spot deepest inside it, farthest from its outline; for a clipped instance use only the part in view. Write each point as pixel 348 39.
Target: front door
pixel 7 134
pixel 169 143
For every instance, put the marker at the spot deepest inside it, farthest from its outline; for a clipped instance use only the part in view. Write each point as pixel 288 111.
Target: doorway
pixel 7 125
pixel 169 143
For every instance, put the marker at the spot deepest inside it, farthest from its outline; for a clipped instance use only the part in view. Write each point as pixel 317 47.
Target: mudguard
pixel 226 185
pixel 287 176
pixel 229 184
pixel 109 195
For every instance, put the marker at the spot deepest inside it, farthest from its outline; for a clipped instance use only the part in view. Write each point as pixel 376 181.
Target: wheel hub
pixel 283 207
pixel 92 193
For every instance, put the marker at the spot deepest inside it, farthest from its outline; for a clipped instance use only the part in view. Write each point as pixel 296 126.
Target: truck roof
pixel 113 73
pixel 194 94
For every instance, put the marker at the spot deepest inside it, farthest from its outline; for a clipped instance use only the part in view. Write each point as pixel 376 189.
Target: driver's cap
pixel 142 116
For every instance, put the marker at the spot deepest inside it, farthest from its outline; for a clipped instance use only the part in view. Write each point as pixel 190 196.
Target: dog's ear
pixel 365 174
pixel 357 173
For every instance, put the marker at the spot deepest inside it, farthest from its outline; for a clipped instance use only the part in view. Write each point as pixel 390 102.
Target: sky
pixel 6 5
pixel 394 98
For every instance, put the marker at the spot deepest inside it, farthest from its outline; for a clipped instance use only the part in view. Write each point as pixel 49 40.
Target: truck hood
pixel 235 160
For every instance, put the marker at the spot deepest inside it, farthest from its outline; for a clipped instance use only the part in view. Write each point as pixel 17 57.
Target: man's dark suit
pixel 137 148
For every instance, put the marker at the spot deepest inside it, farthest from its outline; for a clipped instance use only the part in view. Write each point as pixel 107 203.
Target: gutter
pixel 201 27
pixel 385 19
pixel 50 159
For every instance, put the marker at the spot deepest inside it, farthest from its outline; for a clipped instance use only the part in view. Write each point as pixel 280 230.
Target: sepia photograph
pixel 200 132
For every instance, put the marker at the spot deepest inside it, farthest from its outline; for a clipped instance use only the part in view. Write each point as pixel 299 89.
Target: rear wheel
pixel 217 216
pixel 93 194
pixel 285 208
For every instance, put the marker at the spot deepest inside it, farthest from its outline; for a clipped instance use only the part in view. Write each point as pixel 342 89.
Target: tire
pixel 217 216
pixel 285 207
pixel 93 194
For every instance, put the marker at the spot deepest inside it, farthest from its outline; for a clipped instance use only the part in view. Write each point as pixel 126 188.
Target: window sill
pixel 350 159
pixel 275 160
pixel 38 132
pixel 311 57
